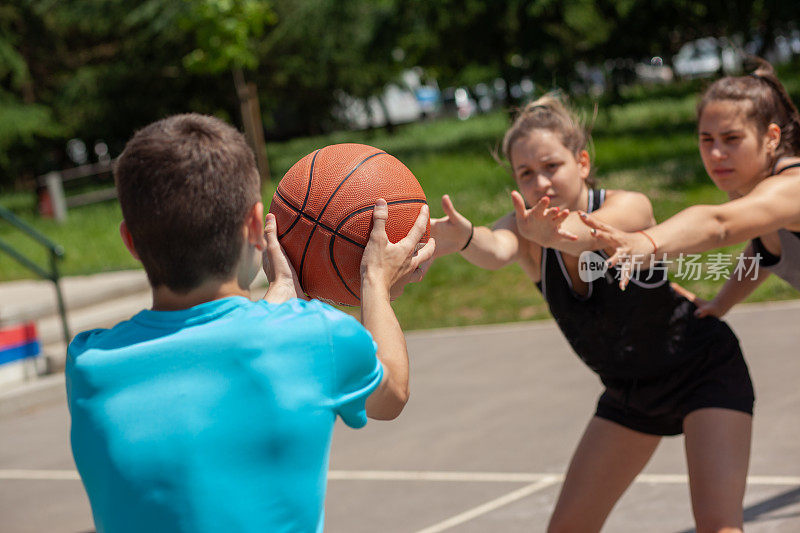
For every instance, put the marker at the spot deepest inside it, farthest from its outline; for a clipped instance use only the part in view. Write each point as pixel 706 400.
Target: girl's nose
pixel 542 182
pixel 717 152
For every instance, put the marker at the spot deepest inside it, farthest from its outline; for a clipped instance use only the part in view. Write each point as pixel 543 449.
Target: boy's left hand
pixel 540 224
pixel 283 281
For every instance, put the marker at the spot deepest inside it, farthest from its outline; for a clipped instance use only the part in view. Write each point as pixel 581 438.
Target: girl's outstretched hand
pixel 628 247
pixel 541 223
pixel 452 231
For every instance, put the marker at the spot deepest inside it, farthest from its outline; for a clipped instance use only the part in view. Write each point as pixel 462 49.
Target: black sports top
pixel 637 333
pixel 786 265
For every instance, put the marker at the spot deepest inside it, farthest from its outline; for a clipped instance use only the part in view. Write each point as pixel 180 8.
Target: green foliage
pixel 225 32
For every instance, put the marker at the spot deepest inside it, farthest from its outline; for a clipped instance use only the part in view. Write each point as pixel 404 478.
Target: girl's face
pixel 543 166
pixel 736 156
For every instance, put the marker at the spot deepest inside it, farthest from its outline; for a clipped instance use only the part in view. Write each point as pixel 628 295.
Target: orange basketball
pixel 323 207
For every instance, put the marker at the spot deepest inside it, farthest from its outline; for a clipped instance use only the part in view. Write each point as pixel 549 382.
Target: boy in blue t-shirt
pixel 211 412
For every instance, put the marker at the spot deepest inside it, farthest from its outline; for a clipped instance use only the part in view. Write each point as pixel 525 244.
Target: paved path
pixel 494 416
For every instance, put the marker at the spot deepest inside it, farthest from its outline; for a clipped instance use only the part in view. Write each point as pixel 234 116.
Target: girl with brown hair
pixel 665 371
pixel 749 137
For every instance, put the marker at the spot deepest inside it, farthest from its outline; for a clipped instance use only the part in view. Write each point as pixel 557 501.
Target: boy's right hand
pixel 388 267
pixel 451 231
pixel 283 281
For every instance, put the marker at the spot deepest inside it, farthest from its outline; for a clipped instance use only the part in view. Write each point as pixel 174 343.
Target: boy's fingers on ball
pixel 425 253
pixel 380 214
pixel 418 229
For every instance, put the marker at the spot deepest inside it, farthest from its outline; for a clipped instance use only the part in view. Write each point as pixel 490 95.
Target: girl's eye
pixel 732 138
pixel 706 140
pixel 552 166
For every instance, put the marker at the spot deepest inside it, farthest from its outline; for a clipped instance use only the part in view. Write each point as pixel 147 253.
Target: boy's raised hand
pixel 451 231
pixel 283 281
pixel 390 267
pixel 540 224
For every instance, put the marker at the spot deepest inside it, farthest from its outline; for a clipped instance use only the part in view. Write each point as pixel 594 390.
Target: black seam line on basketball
pixel 330 198
pixel 351 215
pixel 358 211
pixel 339 274
pixel 308 190
pixel 311 219
pixel 303 258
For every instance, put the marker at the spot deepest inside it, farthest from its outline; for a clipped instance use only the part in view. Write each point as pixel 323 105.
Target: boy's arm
pixel 385 269
pixel 489 248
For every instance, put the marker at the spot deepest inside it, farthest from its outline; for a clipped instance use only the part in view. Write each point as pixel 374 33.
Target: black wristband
pixel 471 233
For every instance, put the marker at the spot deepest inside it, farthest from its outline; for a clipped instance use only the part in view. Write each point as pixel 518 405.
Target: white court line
pixel 411 475
pixel 511 477
pixel 492 505
pixel 417 475
pixel 47 475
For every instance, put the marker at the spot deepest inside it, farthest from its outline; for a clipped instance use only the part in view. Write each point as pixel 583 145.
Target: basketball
pixel 323 209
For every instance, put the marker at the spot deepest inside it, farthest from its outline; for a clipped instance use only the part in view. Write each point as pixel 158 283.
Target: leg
pixel 608 458
pixel 717 453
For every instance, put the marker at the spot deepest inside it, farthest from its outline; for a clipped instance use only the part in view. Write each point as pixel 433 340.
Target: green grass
pixel 647 144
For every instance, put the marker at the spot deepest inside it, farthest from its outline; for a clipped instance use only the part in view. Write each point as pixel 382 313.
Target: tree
pixel 22 118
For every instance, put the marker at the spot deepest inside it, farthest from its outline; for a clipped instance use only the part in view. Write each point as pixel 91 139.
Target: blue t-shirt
pixel 216 418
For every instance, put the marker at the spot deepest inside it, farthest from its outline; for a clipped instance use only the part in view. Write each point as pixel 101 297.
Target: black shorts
pixel 713 375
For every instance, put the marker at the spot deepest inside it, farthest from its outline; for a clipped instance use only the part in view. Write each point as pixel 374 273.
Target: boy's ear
pixel 254 227
pixel 127 238
pixel 584 164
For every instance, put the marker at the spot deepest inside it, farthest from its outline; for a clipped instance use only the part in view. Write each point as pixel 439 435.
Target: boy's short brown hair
pixel 185 185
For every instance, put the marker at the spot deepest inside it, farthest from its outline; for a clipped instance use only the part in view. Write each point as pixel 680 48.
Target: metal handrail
pixel 56 253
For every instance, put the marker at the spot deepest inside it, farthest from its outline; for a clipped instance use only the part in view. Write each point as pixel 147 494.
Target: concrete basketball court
pixel 494 416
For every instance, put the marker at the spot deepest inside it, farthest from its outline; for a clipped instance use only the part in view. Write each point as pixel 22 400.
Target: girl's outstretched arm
pixel 489 248
pixel 771 205
pixel 736 289
pixel 564 231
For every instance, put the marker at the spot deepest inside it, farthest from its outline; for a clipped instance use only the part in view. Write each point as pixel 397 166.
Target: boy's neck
pixel 165 299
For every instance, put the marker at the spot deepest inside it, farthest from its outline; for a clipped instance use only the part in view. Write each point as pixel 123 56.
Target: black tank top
pixel 637 333
pixel 770 261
